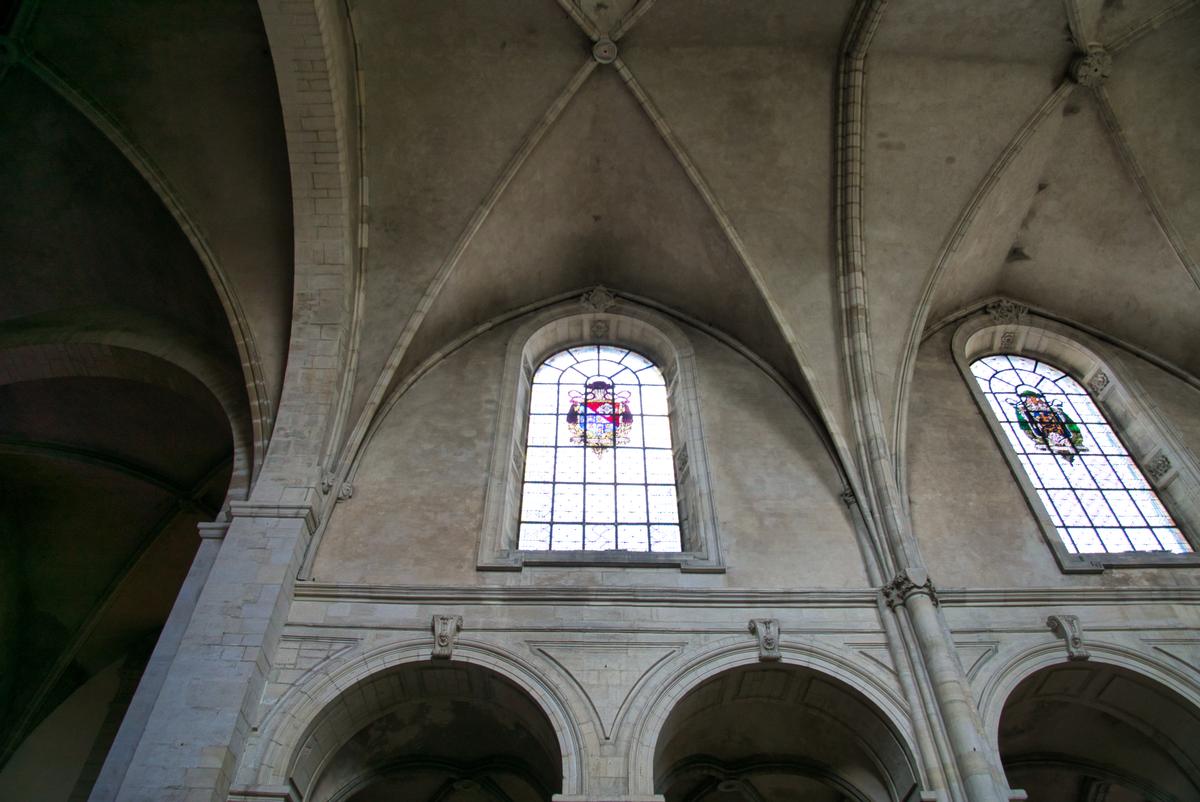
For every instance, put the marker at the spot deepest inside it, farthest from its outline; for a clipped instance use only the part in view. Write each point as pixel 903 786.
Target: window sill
pixel 685 561
pixel 1097 563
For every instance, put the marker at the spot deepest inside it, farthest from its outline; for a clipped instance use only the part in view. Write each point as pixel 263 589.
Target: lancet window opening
pixel 1094 493
pixel 599 470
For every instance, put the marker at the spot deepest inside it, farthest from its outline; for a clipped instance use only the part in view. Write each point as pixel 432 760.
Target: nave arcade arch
pixel 775 732
pixel 433 730
pixel 1090 730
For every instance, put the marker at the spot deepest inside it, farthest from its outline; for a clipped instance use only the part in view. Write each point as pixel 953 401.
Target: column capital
pixel 904 586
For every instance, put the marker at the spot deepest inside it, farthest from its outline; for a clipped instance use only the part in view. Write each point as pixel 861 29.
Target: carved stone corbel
pixel 445 635
pixel 767 632
pixel 1158 467
pixel 1091 69
pixel 1067 627
pixel 598 299
pixel 1006 311
pixel 900 589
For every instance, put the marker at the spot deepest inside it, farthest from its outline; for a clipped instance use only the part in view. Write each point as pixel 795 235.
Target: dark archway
pixel 779 733
pixel 432 732
pixel 1095 731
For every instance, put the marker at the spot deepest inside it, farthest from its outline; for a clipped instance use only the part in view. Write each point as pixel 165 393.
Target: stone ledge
pixel 671 597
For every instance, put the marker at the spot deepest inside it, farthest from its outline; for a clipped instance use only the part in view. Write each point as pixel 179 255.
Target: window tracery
pixel 1094 493
pixel 599 469
pixel 680 528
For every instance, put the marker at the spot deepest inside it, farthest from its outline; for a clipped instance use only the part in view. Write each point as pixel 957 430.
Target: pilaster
pixel 194 737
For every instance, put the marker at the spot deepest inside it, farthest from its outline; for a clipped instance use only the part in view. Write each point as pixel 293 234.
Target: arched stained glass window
pixel 1092 490
pixel 599 467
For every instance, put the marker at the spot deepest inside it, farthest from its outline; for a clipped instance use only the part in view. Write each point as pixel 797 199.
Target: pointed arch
pixel 1119 440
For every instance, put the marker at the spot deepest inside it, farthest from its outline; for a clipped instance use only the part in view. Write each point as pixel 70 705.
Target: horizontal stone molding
pixel 1074 597
pixel 651 597
pixel 305 512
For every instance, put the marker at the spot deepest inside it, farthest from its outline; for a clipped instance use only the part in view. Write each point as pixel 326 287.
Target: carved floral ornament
pixel 767 632
pixel 1005 311
pixel 1092 68
pixel 598 299
pixel 1098 382
pixel 445 634
pixel 1159 467
pixel 1067 627
pixel 903 587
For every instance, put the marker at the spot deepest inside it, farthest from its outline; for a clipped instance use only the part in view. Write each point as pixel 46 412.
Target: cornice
pixel 1073 597
pixel 635 597
pixel 731 597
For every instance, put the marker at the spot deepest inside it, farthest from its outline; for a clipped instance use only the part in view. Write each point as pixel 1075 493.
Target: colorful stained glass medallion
pixel 1093 492
pixel 599 465
pixel 600 417
pixel 1048 425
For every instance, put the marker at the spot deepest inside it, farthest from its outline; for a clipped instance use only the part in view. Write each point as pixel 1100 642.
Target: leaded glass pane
pixel 535 504
pixel 659 467
pixel 543 399
pixel 568 503
pixel 598 467
pixel 1092 491
pixel 568 464
pixel 567 537
pixel 542 430
pixel 637 361
pixel 654 400
pixel 633 537
pixel 665 538
pixel 1173 540
pixel 631 465
pixel 601 505
pixel 535 537
pixel 539 464
pixel 657 431
pixel 610 353
pixel 651 376
pixel 660 499
pixel 1114 540
pixel 1086 540
pixel 599 471
pixel 600 537
pixel 631 502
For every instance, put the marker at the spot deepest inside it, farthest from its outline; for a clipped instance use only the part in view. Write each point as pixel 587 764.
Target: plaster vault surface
pixel 275 277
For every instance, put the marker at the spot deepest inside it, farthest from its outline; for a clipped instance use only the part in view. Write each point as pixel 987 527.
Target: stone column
pixel 120 753
pixel 195 733
pixel 958 713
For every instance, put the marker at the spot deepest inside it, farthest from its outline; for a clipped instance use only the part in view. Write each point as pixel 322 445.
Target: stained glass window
pixel 599 471
pixel 1094 493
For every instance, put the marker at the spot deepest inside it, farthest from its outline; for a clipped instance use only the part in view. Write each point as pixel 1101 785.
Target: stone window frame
pixel 600 318
pixel 1152 442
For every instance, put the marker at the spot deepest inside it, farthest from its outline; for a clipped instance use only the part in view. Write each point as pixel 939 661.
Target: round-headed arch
pixel 311 722
pixel 1119 721
pixel 831 688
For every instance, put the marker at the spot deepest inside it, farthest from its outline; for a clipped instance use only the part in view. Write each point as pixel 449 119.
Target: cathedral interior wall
pixel 419 491
pixel 974 523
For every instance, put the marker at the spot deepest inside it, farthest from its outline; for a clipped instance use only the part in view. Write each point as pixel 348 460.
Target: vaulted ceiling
pixel 146 227
pixel 145 247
